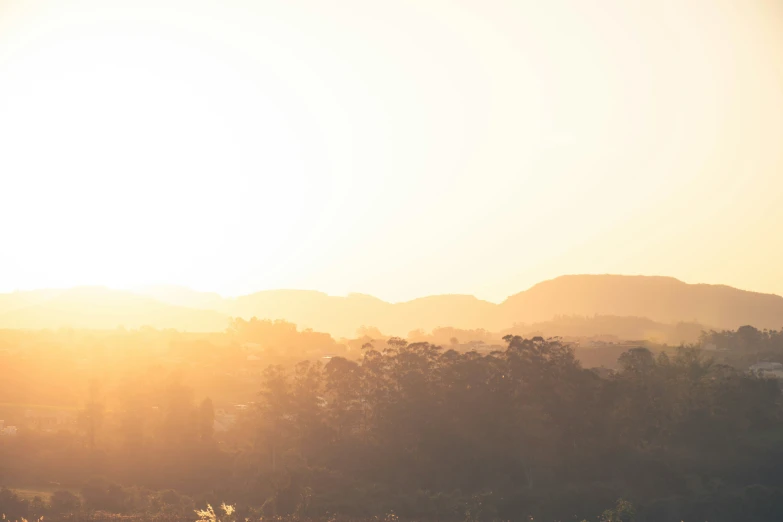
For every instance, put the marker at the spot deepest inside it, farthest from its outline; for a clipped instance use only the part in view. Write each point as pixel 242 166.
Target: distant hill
pixel 342 316
pixel 102 308
pixel 612 328
pixel 661 300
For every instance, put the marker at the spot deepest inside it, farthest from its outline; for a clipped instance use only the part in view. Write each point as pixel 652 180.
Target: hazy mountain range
pixel 659 299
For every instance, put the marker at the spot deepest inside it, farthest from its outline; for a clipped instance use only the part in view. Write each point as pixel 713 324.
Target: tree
pixel 64 502
pixel 206 420
pixel 91 417
pixel 343 392
pixel 623 511
pixel 275 412
pixel 640 361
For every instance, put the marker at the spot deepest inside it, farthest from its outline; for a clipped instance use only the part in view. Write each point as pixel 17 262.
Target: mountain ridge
pixel 659 298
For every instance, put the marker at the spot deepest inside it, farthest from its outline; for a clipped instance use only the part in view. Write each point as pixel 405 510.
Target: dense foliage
pixel 432 433
pixel 525 431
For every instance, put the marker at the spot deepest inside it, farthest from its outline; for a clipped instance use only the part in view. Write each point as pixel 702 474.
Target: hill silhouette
pixel 659 299
pixel 103 308
pixel 662 299
pixel 344 315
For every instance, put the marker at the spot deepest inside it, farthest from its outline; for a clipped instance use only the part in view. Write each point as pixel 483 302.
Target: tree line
pixel 523 431
pixel 433 433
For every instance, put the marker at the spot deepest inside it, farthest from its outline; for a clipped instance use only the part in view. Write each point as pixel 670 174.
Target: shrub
pixel 104 496
pixel 63 502
pixel 12 506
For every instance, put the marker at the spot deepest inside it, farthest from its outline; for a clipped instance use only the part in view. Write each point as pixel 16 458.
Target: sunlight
pixel 236 146
pixel 176 124
pixel 401 261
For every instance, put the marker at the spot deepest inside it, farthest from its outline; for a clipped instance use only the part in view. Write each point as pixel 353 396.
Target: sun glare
pixel 198 146
pixel 237 146
pixel 391 261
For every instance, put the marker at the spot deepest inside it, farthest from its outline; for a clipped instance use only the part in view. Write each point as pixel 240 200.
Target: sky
pixel 398 149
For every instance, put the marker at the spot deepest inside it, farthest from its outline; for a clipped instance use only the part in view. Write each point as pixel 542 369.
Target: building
pixel 9 431
pixel 49 419
pixel 771 370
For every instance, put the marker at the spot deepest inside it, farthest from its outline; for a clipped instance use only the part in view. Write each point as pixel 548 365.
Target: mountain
pixel 662 299
pixel 342 316
pixel 102 308
pixel 310 309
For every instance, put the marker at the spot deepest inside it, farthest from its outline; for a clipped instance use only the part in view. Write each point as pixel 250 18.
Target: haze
pixel 401 261
pixel 398 149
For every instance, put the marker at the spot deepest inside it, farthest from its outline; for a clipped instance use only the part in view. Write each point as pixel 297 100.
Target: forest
pixel 159 424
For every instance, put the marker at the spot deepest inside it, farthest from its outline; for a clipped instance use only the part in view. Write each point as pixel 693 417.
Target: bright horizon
pixel 151 290
pixel 398 150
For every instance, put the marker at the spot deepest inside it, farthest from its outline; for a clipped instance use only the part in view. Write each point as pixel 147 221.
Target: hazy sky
pixel 396 148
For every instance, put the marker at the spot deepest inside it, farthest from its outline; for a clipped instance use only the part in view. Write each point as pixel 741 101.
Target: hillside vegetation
pixel 273 420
